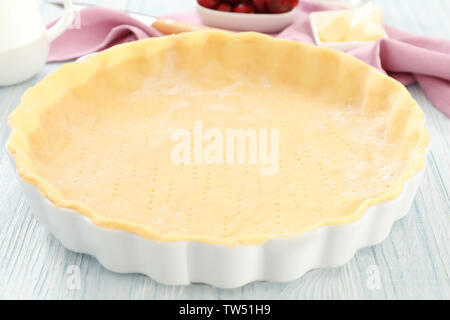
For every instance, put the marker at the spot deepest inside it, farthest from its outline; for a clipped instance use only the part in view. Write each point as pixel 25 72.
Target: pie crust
pixel 95 137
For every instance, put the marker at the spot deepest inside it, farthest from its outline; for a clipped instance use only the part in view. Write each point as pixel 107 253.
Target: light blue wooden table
pixel 413 262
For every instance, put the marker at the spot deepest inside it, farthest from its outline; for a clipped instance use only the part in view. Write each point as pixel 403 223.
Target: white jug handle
pixel 64 22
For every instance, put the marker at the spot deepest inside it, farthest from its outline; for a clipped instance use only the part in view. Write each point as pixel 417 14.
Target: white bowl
pixel 320 18
pixel 259 22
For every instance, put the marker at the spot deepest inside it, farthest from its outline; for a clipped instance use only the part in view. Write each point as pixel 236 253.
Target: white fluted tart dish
pixel 333 154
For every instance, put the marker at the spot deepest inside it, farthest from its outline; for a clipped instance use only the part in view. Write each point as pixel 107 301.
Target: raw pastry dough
pixel 95 136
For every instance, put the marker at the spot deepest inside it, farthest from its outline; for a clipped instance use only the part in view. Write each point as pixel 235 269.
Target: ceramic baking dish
pixel 224 261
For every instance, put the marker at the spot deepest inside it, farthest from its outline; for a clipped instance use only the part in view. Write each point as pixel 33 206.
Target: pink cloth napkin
pixel 99 29
pixel 407 58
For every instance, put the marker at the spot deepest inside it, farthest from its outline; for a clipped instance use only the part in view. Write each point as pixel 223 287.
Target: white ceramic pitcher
pixel 24 40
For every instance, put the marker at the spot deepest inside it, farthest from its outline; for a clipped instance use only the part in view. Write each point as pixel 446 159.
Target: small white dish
pixel 259 22
pixel 320 18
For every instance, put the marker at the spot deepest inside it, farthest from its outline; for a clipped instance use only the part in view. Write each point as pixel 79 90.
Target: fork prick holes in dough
pixel 325 149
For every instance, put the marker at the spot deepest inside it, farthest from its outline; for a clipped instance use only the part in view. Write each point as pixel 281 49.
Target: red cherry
pixel 243 8
pixel 210 4
pixel 279 6
pixel 225 7
pixel 260 5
